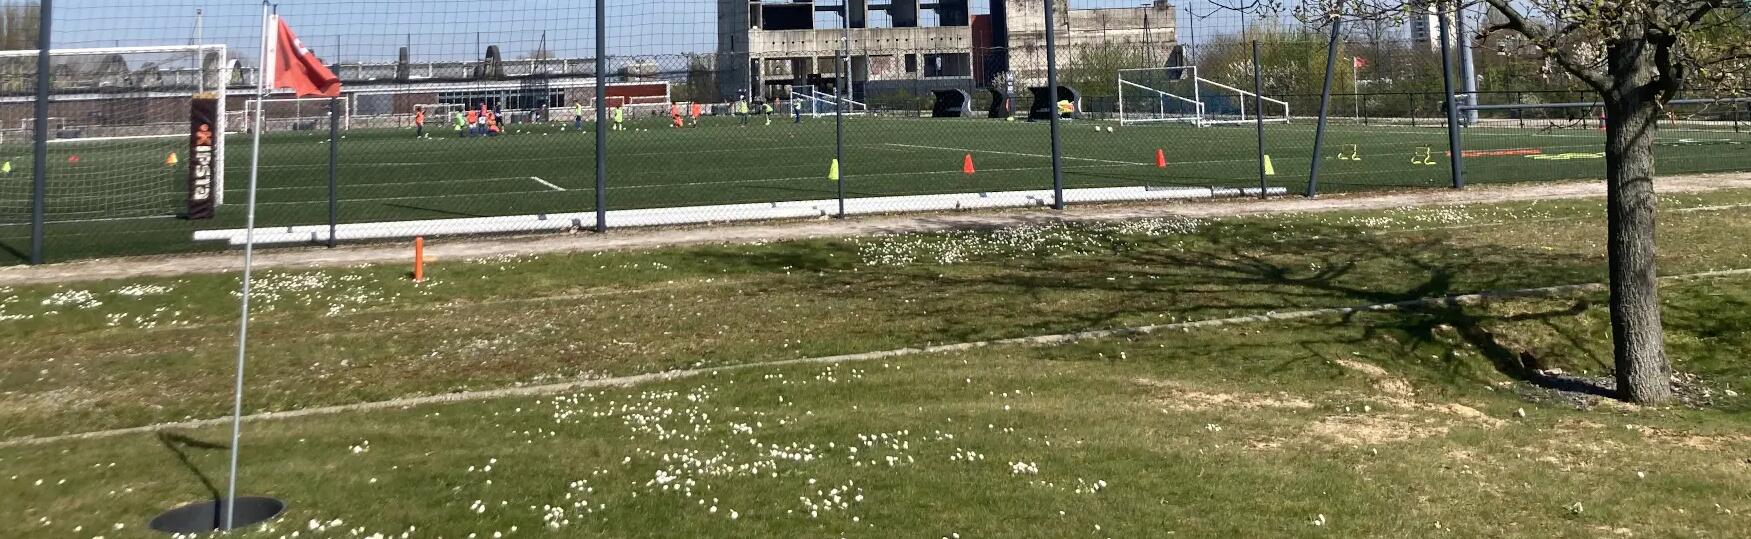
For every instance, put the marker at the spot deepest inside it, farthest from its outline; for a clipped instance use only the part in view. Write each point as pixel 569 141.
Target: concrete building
pixel 766 47
pixel 1425 25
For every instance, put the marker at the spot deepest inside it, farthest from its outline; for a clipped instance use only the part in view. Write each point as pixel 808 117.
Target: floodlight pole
pixel 1052 105
pixel 1331 60
pixel 40 154
pixel 1467 67
pixel 1456 158
pixel 601 116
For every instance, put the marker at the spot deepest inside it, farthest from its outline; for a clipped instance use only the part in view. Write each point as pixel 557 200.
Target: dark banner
pixel 202 147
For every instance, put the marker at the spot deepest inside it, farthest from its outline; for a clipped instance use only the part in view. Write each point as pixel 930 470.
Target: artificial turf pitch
pixel 389 175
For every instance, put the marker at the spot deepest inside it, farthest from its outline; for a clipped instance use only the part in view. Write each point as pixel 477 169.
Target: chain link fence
pixel 449 122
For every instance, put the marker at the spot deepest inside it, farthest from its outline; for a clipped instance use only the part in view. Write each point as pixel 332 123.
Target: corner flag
pixel 298 68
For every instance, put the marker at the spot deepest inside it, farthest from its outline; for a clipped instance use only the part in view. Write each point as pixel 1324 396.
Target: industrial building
pixel 767 47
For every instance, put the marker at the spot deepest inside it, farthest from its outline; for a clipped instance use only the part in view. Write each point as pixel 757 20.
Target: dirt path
pixel 474 247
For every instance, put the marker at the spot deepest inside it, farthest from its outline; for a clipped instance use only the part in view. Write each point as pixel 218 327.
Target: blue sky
pixel 350 30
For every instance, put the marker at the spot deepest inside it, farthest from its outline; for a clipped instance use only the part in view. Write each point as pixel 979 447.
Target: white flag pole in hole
pixel 263 85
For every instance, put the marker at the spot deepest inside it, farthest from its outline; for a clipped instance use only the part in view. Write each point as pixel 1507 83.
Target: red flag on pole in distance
pixel 298 68
pixel 1361 63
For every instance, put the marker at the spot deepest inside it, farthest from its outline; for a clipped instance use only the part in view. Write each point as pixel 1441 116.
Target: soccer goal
pixel 437 114
pixel 118 137
pixel 1179 94
pixel 816 103
pixel 298 113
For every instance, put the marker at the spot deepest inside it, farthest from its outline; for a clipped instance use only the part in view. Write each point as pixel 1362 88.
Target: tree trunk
pixel 1639 353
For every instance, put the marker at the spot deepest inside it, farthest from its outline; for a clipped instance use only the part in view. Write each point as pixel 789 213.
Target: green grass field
pixel 1415 423
pixel 387 175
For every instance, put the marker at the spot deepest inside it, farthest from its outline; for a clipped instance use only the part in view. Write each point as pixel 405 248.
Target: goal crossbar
pixel 817 99
pixel 1197 106
pixel 1200 109
pixel 218 75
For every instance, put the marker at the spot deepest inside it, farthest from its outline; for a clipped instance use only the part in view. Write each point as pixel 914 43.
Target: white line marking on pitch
pixel 1014 153
pixel 546 183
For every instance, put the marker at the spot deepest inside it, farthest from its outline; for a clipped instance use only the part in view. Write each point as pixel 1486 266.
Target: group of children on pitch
pixel 490 121
pixel 476 122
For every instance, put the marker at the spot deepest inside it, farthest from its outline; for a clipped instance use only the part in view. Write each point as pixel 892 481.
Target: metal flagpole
pixel 200 56
pixel 1356 84
pixel 264 84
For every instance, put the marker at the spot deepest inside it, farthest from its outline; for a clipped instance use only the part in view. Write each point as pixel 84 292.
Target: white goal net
pixel 1178 94
pixel 118 130
pixel 816 103
pixel 296 114
pixel 438 115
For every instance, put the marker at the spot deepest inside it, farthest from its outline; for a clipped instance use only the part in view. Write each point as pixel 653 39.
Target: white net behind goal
pixel 118 129
pixel 295 114
pixel 1159 95
pixel 1179 94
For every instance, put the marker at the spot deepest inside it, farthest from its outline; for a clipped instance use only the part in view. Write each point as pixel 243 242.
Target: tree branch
pixel 1546 41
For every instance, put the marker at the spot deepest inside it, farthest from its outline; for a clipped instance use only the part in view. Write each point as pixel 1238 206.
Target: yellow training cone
pixel 6 168
pixel 170 161
pixel 1270 170
pixel 833 171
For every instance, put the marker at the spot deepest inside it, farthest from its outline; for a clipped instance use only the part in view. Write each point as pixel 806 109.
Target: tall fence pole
pixel 1456 155
pixel 333 168
pixel 1052 97
pixel 1258 115
pixel 843 84
pixel 1331 60
pixel 601 116
pixel 39 180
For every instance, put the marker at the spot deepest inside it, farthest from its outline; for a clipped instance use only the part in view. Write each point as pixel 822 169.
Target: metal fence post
pixel 40 153
pixel 333 168
pixel 1052 97
pixel 601 116
pixel 1258 113
pixel 1331 60
pixel 844 89
pixel 1456 158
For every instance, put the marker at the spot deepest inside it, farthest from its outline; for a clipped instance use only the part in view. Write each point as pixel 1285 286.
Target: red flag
pixel 1361 63
pixel 298 68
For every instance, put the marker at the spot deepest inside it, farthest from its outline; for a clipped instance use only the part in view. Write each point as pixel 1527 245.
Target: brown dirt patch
pixel 1180 398
pixel 1375 429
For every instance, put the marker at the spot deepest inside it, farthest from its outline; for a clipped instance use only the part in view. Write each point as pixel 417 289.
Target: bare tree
pixel 19 25
pixel 1637 55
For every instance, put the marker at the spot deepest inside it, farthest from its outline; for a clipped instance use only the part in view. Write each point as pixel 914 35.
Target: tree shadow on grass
pixel 1244 269
pixel 1232 269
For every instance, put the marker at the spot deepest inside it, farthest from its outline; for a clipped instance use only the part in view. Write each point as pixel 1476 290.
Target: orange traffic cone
pixel 967 166
pixel 1160 158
